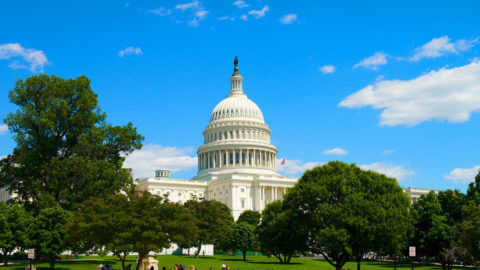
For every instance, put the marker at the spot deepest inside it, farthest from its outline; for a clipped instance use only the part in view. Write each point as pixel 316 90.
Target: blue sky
pixel 377 83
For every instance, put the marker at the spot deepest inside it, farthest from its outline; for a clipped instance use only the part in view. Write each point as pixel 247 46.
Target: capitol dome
pixel 236 106
pixel 236 137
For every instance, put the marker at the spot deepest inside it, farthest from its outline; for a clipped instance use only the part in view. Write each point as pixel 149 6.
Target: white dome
pixel 236 106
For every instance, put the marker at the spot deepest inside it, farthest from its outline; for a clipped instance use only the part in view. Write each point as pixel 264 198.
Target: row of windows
pixel 238 134
pixel 179 194
pixel 234 112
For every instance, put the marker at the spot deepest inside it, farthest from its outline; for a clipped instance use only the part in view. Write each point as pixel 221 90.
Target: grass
pixel 204 263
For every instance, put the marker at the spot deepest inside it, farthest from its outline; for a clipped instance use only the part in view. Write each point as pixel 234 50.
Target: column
pixel 214 159
pixel 233 156
pixel 254 164
pixel 247 156
pixel 227 159
pixel 220 159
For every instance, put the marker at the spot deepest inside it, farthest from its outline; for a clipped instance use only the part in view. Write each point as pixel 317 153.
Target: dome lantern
pixel 236 80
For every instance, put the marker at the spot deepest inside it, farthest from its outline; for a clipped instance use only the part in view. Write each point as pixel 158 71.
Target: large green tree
pixel 346 211
pixel 64 147
pixel 14 223
pixel 214 221
pixel 434 232
pixel 124 223
pixel 48 233
pixel 242 238
pixel 279 232
pixel 470 231
pixel 473 192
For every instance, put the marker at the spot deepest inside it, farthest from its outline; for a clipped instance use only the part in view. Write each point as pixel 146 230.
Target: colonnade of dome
pixel 229 158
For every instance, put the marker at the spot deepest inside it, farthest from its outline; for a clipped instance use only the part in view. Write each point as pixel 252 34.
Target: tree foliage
pixel 279 232
pixel 470 231
pixel 345 211
pixel 243 238
pixel 434 230
pixel 14 223
pixel 249 216
pixel 127 223
pixel 65 148
pixel 48 233
pixel 213 220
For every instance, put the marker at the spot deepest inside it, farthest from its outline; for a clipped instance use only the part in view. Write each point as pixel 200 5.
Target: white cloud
pixel 447 94
pixel 130 51
pixel 244 17
pixel 288 18
pixel 335 151
pixel 259 13
pixel 463 176
pixel 327 69
pixel 441 46
pixel 293 167
pixel 144 162
pixel 3 129
pixel 373 62
pixel 201 14
pixel 225 18
pixel 161 11
pixel 35 59
pixel 186 6
pixel 240 4
pixel 388 152
pixel 397 172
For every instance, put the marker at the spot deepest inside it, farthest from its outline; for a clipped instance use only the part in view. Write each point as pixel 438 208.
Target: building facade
pixel 237 164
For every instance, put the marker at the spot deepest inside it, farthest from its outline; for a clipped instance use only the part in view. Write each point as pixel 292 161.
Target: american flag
pixel 282 162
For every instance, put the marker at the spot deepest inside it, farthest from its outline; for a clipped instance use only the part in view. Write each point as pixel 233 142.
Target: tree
pixel 243 238
pixel 48 232
pixel 470 231
pixel 14 222
pixel 126 223
pixel 434 233
pixel 214 221
pixel 346 211
pixel 473 192
pixel 249 216
pixel 279 232
pixel 65 148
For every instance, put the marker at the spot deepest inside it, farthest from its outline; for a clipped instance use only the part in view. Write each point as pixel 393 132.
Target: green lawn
pixel 204 263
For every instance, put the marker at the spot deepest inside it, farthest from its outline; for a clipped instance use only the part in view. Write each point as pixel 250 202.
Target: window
pixel 179 194
pixel 242 203
pixel 242 190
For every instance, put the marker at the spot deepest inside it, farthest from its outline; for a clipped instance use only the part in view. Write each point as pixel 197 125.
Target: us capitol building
pixel 237 164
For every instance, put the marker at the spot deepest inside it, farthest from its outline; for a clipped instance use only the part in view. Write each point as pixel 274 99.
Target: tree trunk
pixel 395 263
pixel 198 249
pixel 359 260
pixel 6 252
pixel 52 263
pixel 244 253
